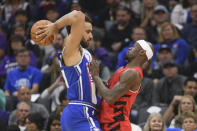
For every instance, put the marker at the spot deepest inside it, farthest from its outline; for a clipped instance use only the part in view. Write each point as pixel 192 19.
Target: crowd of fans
pixel 33 92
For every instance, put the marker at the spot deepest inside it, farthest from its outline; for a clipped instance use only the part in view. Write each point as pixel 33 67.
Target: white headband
pixel 144 44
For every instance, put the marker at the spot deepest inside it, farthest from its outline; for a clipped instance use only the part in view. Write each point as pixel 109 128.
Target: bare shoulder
pixel 131 79
pixel 130 73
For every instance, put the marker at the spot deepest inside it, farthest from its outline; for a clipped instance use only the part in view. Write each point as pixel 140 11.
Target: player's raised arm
pixel 75 19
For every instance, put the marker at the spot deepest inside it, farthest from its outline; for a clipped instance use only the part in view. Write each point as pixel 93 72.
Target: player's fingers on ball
pixel 41 36
pixel 41 27
pixel 40 32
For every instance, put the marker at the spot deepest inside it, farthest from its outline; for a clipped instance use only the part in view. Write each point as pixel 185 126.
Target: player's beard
pixel 84 43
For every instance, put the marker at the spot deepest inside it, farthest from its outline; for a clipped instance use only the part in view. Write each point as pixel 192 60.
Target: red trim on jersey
pixel 89 79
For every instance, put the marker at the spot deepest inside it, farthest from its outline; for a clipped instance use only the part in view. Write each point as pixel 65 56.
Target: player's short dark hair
pixel 88 19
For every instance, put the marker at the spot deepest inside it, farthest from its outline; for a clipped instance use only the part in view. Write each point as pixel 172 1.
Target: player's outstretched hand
pixel 47 32
pixel 94 68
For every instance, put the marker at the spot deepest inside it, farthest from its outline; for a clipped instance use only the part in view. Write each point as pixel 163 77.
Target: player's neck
pixel 135 63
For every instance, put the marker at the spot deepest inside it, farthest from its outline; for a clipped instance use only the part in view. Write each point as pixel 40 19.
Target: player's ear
pixel 142 52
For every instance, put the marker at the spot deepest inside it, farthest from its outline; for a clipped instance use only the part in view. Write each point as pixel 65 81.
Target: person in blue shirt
pixel 138 33
pixel 170 36
pixel 9 60
pixel 23 75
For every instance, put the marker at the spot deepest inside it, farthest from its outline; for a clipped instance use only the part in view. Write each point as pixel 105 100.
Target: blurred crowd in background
pixel 32 90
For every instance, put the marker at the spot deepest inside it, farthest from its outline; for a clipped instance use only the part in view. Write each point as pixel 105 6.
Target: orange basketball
pixel 34 29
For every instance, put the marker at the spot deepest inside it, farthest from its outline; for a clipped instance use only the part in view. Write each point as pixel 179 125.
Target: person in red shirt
pixel 121 89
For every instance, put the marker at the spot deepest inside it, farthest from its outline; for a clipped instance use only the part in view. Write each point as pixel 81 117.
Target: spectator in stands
pixel 170 36
pixel 63 97
pixel 9 61
pixel 24 75
pixel 185 103
pixel 101 54
pixel 155 122
pixel 63 100
pixel 180 14
pixel 190 29
pixel 20 17
pixel 118 35
pixel 107 16
pixel 160 15
pixel 54 122
pixel 42 5
pixel 190 69
pixel 147 10
pixel 52 14
pixel 189 121
pixel 189 88
pixel 24 94
pixel 99 51
pixel 22 111
pixel 134 5
pixel 19 29
pixel 52 93
pixel 138 33
pixel 172 4
pixel 169 85
pixel 34 122
pixel 74 5
pixel 164 53
pixel 11 6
